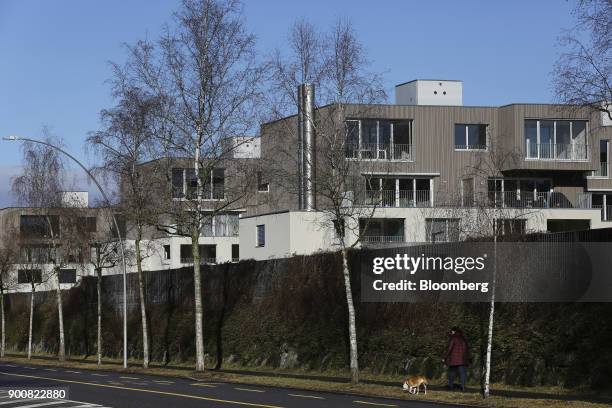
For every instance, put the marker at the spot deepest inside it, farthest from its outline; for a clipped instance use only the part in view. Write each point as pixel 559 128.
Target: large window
pixel 602 170
pixel 67 276
pixel 442 229
pixel 208 254
pixel 511 226
pixel 381 230
pixel 185 184
pixel 524 193
pixel 29 276
pixel 470 137
pixel 39 226
pixel 397 192
pixel 235 252
pixel 556 139
pixel 373 139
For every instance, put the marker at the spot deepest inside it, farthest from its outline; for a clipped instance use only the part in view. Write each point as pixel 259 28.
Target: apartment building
pixel 422 158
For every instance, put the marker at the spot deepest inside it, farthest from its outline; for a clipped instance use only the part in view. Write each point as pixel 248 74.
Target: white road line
pixel 99 375
pixel 50 369
pixel 30 368
pixel 204 385
pixel 10 365
pixel 305 396
pixel 130 378
pixel 42 404
pixel 163 382
pixel 248 389
pixel 375 403
pixel 16 400
pixel 73 372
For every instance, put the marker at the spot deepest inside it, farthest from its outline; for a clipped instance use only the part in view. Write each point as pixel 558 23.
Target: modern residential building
pixel 421 165
pixel 427 155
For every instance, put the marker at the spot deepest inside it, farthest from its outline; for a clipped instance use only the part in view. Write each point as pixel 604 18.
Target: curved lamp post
pixel 121 245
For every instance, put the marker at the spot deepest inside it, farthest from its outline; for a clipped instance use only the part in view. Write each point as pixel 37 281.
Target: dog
pixel 413 384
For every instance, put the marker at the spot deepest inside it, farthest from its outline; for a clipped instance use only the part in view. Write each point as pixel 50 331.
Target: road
pixel 101 389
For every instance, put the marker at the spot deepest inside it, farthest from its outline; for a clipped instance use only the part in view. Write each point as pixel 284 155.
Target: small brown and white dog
pixel 413 384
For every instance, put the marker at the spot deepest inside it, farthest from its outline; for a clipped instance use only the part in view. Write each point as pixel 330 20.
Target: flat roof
pixel 432 80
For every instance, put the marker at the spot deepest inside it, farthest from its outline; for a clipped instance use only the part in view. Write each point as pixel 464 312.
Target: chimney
pixel 306 147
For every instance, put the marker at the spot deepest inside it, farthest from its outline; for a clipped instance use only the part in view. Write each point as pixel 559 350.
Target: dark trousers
pixel 452 373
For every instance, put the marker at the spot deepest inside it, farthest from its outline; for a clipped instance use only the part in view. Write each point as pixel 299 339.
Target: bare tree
pixel 583 73
pixel 336 63
pixel 204 72
pixel 8 259
pixel 127 140
pixel 489 215
pixel 40 187
pixel 104 254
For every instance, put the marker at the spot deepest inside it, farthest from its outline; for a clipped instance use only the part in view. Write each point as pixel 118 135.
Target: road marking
pixel 204 385
pixel 163 382
pixel 130 378
pixel 73 372
pixel 10 365
pixel 305 396
pixel 99 375
pixel 248 389
pixel 43 404
pixel 174 394
pixel 30 368
pixel 375 403
pixel 16 400
pixel 50 369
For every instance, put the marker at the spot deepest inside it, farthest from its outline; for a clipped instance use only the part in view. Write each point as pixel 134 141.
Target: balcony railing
pixel 556 151
pixel 528 199
pixel 393 198
pixel 602 171
pixel 470 147
pixel 378 239
pixel 203 261
pixel 379 151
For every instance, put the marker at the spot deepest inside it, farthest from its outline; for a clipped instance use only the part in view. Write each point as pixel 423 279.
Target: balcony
pixel 395 198
pixel 203 261
pixel 380 231
pixel 597 201
pixel 602 171
pixel 382 239
pixel 557 152
pixel 378 151
pixel 527 199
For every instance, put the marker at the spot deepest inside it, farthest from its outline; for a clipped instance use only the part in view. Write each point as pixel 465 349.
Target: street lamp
pixel 121 245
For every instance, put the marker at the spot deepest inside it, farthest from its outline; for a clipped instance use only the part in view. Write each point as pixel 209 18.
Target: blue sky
pixel 54 54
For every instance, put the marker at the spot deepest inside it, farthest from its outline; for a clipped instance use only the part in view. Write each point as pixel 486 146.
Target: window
pixel 262 186
pixel 470 137
pixel 39 226
pixel 122 227
pixel 602 170
pixel 442 229
pixel 185 183
pixel 261 235
pixel 226 225
pixel 396 192
pixel 235 252
pixel 67 276
pixel 88 224
pixel 29 276
pixel 556 139
pixel 371 139
pixel 208 254
pixel 381 230
pixel 167 253
pixel 511 226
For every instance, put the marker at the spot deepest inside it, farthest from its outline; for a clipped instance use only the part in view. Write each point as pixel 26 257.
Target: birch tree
pixel 583 72
pixel 205 73
pixel 126 140
pixel 8 259
pixel 39 187
pixel 336 64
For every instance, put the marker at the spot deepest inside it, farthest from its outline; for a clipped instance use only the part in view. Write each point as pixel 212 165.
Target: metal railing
pixel 379 151
pixel 203 261
pixel 602 171
pixel 470 147
pixel 393 198
pixel 382 238
pixel 529 199
pixel 557 151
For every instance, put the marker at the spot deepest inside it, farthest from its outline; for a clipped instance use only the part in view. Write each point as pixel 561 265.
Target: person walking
pixel 456 357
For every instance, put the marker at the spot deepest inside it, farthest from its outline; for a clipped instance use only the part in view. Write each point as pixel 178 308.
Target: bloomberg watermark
pixel 473 272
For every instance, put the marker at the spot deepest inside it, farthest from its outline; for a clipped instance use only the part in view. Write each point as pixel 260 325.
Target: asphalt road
pixel 98 389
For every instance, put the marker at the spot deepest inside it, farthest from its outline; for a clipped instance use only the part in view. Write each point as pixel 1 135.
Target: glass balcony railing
pixel 379 151
pixel 556 151
pixel 393 198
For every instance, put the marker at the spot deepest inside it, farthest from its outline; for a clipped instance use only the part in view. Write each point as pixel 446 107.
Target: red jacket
pixel 457 352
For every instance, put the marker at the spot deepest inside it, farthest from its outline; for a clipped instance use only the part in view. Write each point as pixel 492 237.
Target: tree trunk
pixel 31 321
pixel 143 307
pixel 60 313
pixel 3 342
pixel 351 318
pixel 486 388
pixel 99 331
pixel 197 284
